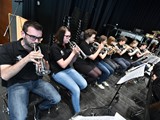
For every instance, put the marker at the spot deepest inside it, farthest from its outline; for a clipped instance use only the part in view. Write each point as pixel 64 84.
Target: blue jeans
pixel 74 82
pixel 18 97
pixel 112 63
pixel 106 71
pixel 124 64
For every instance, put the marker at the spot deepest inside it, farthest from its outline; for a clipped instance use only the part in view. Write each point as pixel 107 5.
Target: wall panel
pixel 5 8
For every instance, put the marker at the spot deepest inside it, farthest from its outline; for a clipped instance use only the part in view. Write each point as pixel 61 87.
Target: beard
pixel 28 45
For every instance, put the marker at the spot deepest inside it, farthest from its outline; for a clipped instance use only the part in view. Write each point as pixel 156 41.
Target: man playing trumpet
pixel 17 60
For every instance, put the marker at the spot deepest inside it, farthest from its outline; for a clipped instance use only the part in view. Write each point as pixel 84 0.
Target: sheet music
pixel 79 117
pixel 139 71
pixel 116 117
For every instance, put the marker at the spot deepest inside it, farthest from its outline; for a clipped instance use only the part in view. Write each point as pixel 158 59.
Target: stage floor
pixel 94 101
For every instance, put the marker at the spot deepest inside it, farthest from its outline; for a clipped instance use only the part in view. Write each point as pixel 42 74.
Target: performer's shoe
pixel 100 86
pixel 105 84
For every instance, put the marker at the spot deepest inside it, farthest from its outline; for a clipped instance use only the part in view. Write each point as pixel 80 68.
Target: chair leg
pixel 5 108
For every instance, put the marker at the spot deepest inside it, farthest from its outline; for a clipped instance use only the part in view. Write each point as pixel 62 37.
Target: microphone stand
pixel 14 13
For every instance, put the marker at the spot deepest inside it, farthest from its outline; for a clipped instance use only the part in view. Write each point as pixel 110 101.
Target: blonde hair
pixel 134 42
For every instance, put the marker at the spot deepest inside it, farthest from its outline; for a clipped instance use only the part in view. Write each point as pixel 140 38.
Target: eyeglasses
pixel 33 38
pixel 67 36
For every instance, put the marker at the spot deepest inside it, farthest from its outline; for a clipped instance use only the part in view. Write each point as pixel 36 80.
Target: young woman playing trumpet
pixel 62 72
pixel 89 67
pixel 112 50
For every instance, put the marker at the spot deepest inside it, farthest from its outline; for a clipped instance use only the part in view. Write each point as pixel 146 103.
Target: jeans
pixel 74 82
pixel 106 71
pixel 18 97
pixel 112 63
pixel 124 64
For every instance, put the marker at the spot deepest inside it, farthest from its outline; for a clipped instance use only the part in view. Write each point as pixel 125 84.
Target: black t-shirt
pixel 57 53
pixel 116 55
pixel 135 56
pixel 87 49
pixel 11 53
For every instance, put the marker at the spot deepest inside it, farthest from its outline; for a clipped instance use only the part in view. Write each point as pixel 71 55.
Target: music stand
pixel 134 72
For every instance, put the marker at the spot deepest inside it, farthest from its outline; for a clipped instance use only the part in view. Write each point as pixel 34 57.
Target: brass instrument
pixel 127 47
pixel 104 49
pixel 116 48
pixel 112 50
pixel 95 45
pixel 81 54
pixel 40 69
pixel 135 50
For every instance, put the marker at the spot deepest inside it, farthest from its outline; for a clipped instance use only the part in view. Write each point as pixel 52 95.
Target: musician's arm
pixel 102 56
pixel 8 71
pixel 122 52
pixel 94 55
pixel 133 53
pixel 139 55
pixel 63 63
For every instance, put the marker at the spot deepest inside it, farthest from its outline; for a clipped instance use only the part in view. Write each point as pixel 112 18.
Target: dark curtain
pixel 143 14
pixel 101 15
pixel 49 13
pixel 28 9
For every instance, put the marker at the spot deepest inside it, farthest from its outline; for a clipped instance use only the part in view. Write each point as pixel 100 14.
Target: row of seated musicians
pixel 117 55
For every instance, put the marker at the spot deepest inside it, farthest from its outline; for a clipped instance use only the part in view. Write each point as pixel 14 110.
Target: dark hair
pixel 122 38
pixel 33 24
pixel 102 38
pixel 60 34
pixel 144 43
pixel 89 32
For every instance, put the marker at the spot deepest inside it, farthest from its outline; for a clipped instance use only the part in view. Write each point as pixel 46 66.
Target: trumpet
pixel 40 69
pixel 73 44
pixel 134 50
pixel 104 49
pixel 95 45
pixel 116 49
pixel 129 48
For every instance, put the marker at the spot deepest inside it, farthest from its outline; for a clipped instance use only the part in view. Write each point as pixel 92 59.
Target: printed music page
pixel 139 71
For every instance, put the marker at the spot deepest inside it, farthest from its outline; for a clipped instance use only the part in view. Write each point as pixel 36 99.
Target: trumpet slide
pixel 40 69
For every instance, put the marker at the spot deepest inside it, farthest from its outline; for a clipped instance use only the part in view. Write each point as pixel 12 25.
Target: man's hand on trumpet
pixel 35 56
